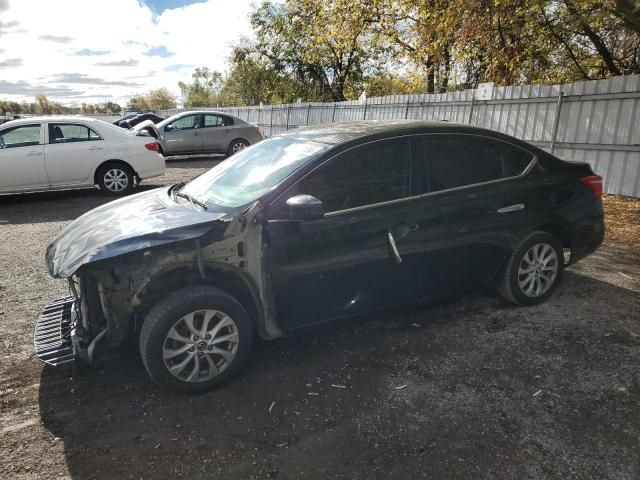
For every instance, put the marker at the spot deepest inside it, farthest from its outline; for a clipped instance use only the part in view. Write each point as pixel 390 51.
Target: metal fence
pixel 594 121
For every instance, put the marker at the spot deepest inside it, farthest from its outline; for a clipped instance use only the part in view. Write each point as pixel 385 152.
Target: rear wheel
pixel 196 339
pixel 115 178
pixel 533 270
pixel 237 145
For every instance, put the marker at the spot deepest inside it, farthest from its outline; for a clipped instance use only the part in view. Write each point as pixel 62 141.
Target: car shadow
pixel 194 161
pixel 388 397
pixel 55 206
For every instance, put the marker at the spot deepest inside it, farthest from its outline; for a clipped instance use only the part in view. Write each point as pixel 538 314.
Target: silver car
pixel 202 132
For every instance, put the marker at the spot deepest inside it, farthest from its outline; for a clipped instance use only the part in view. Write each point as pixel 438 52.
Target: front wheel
pixel 533 270
pixel 196 339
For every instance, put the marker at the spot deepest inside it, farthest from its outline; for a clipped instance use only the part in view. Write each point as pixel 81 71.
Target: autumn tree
pixel 138 102
pixel 161 99
pixel 327 43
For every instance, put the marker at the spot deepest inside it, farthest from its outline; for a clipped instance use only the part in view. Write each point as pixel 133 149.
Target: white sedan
pixel 54 153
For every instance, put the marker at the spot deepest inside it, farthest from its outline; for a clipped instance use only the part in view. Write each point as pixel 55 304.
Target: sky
pixel 92 51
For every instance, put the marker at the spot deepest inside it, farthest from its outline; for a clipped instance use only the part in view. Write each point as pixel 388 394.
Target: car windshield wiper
pixel 191 199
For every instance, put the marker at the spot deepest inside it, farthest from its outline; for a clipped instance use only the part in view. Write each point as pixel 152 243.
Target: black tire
pixel 237 145
pixel 509 287
pixel 168 312
pixel 115 178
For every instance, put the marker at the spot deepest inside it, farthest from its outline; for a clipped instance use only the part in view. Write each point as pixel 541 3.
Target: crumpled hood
pixel 126 225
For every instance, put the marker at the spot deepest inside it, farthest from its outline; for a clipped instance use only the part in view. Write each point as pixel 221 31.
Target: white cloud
pixel 106 40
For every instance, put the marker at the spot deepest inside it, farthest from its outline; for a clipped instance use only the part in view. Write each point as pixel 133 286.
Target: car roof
pixel 51 118
pixel 338 133
pixel 196 112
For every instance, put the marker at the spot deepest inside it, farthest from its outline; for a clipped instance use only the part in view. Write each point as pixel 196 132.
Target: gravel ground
pixel 474 388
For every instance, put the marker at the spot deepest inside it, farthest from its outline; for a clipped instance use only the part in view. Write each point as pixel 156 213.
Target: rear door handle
pixel 34 153
pixel 393 249
pixel 95 148
pixel 511 208
pixel 196 134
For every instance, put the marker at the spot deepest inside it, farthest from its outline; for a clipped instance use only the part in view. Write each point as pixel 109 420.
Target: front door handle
pixel 511 208
pixel 393 248
pixel 34 153
pixel 196 134
pixel 95 148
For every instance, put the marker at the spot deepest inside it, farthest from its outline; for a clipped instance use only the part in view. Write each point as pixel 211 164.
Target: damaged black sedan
pixel 311 227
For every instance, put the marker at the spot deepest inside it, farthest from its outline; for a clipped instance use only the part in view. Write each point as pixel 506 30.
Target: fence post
pixel 271 123
pixel 366 102
pixel 556 122
pixel 308 112
pixel 471 110
pixel 333 114
pixel 406 110
pixel 288 107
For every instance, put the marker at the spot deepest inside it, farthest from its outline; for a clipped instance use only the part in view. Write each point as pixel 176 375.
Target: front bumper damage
pixel 115 285
pixel 54 330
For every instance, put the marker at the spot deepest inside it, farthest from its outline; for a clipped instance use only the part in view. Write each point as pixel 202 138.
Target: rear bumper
pixel 54 331
pixel 148 165
pixel 587 238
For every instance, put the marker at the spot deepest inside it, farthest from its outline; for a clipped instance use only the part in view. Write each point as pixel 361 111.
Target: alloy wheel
pixel 116 180
pixel 538 270
pixel 200 345
pixel 237 147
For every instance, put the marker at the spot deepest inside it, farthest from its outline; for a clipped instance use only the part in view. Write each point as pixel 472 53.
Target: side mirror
pixel 305 207
pixel 168 128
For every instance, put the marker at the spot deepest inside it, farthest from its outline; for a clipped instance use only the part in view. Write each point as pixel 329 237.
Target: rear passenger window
pixel 67 133
pixel 460 160
pixel 375 173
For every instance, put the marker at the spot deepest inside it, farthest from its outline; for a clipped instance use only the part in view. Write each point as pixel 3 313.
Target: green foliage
pixel 204 90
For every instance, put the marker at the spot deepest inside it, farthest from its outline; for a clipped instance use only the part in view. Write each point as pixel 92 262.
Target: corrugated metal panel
pixel 599 120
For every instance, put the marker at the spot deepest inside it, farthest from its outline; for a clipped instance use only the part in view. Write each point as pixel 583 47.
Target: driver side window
pixel 22 136
pixel 186 123
pixel 365 175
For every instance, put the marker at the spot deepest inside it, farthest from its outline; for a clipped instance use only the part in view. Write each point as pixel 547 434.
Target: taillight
pixel 154 147
pixel 593 183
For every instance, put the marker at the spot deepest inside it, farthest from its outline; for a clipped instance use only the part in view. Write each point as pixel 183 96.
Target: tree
pixel 326 43
pixel 204 89
pixel 112 107
pixel 44 106
pixel 138 102
pixel 334 49
pixel 161 99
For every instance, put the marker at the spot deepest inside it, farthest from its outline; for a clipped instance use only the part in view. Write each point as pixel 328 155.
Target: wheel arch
pixel 559 231
pixel 235 140
pixel 226 278
pixel 113 161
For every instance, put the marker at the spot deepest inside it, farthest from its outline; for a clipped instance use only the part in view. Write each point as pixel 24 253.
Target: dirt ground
pixel 474 388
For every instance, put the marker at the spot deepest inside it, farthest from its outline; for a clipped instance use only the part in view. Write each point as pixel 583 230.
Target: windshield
pixel 252 172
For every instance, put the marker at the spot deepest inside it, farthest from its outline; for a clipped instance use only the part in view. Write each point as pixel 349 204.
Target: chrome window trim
pixel 525 172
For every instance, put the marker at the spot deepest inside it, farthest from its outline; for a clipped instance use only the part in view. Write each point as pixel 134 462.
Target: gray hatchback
pixel 203 132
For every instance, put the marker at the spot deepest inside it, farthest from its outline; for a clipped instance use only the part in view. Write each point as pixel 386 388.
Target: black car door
pixel 343 264
pixel 478 182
